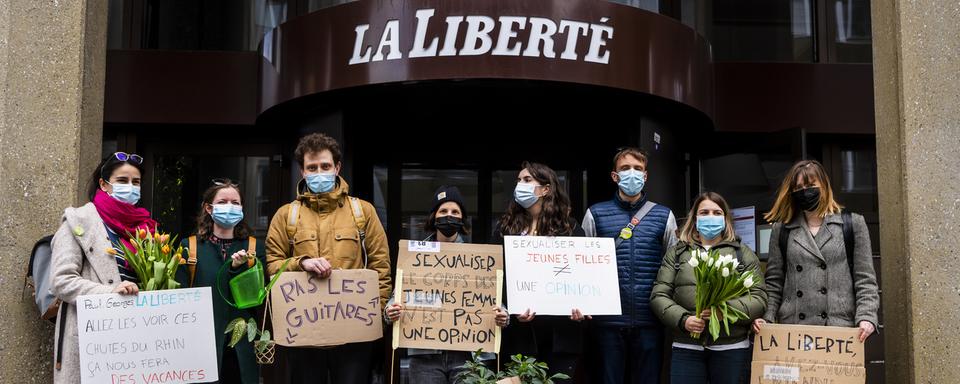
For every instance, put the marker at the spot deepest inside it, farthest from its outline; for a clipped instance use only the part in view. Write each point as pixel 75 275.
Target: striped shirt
pixel 126 272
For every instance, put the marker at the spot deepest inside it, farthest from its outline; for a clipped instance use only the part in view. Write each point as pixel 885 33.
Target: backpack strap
pixel 251 249
pixel 361 221
pixel 192 258
pixel 293 217
pixel 627 231
pixel 848 240
pixel 784 237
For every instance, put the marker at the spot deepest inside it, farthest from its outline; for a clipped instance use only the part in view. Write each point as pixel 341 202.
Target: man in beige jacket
pixel 326 229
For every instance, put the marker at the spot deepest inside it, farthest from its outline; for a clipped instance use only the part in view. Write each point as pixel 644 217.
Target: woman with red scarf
pixel 84 261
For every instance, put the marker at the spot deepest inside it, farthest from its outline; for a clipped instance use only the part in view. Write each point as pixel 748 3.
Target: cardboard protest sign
pixel 153 337
pixel 553 275
pixel 449 295
pixel 309 311
pixel 807 354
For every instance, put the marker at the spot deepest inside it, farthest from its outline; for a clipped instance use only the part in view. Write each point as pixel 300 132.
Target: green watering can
pixel 247 287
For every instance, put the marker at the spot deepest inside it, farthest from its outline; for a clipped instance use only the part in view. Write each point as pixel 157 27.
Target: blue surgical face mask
pixel 127 193
pixel 710 226
pixel 631 182
pixel 321 182
pixel 227 215
pixel 524 195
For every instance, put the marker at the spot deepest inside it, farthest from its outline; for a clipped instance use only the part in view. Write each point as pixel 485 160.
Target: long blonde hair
pixel 689 233
pixel 809 171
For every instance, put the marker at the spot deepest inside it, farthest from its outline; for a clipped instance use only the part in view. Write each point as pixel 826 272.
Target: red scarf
pixel 124 219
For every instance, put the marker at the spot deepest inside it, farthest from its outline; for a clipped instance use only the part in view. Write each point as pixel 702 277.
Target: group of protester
pixel 810 278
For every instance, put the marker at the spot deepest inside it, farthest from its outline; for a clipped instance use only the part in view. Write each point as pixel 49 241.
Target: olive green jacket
pixel 674 294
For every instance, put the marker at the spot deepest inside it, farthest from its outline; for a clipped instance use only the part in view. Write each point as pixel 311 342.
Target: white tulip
pixel 709 262
pixel 725 272
pixel 748 282
pixel 693 262
pixel 735 263
pixel 703 255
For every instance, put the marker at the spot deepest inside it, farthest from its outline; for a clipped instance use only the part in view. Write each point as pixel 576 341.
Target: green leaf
pixel 151 285
pixel 231 324
pixel 238 329
pixel 158 269
pixel 251 330
pixel 265 335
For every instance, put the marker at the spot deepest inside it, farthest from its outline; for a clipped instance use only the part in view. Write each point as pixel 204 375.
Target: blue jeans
pixel 629 355
pixel 721 367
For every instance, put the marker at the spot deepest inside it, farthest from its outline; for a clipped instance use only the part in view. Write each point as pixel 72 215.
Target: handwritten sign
pixel 312 312
pixel 807 354
pixel 153 337
pixel 449 295
pixel 553 275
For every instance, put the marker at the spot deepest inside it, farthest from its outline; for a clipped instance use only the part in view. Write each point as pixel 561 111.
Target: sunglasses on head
pixel 224 181
pixel 121 157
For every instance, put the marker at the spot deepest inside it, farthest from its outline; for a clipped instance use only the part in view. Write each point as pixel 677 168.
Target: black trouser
pixel 343 364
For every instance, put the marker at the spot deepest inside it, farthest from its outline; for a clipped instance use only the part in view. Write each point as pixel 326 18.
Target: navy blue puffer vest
pixel 638 258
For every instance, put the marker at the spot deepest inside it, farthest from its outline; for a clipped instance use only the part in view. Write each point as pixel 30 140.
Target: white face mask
pixel 127 193
pixel 524 195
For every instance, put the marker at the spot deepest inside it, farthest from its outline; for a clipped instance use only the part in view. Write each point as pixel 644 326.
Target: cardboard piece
pixel 312 312
pixel 553 275
pixel 156 336
pixel 510 380
pixel 449 295
pixel 807 354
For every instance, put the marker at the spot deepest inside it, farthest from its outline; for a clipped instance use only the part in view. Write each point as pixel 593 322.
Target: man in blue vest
pixel 643 231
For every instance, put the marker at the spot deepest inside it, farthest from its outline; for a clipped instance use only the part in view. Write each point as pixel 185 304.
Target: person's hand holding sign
pixel 576 315
pixel 866 329
pixel 394 311
pixel 319 266
pixel 526 316
pixel 501 317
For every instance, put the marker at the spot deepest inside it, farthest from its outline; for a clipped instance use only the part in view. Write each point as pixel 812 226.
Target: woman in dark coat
pixel 221 236
pixel 541 208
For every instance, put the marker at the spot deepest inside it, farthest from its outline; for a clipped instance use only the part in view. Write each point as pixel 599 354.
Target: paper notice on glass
pixel 745 225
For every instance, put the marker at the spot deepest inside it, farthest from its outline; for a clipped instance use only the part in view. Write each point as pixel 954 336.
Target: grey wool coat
pixel 810 281
pixel 80 266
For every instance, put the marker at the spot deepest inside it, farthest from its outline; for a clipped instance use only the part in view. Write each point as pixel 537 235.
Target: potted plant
pixel 263 345
pixel 521 369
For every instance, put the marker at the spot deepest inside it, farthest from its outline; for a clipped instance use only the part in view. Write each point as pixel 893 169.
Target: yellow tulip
pixel 165 250
pixel 112 251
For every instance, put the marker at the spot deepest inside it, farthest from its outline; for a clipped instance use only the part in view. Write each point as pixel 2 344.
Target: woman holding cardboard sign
pixel 709 228
pixel 541 208
pixel 221 235
pixel 445 224
pixel 820 270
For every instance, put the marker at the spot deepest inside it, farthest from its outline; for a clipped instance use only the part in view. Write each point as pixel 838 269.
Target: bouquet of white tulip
pixel 718 281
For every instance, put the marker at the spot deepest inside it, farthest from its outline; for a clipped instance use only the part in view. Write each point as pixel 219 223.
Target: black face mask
pixel 449 225
pixel 807 199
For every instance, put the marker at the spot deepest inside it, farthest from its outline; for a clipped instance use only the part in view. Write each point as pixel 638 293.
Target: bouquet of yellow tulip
pixel 718 281
pixel 153 258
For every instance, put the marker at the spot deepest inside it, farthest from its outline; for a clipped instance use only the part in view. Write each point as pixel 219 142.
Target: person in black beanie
pixel 445 224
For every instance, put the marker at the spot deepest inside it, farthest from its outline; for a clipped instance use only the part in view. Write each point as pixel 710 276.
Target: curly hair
pixel 555 214
pixel 316 143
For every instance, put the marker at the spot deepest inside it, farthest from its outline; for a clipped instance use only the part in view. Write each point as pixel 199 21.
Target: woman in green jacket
pixel 709 226
pixel 221 236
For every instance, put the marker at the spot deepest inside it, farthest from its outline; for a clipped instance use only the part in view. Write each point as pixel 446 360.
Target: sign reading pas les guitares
pixel 514 35
pixel 309 311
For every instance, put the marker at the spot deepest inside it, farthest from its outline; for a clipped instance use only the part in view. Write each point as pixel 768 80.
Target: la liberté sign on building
pixel 483 35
